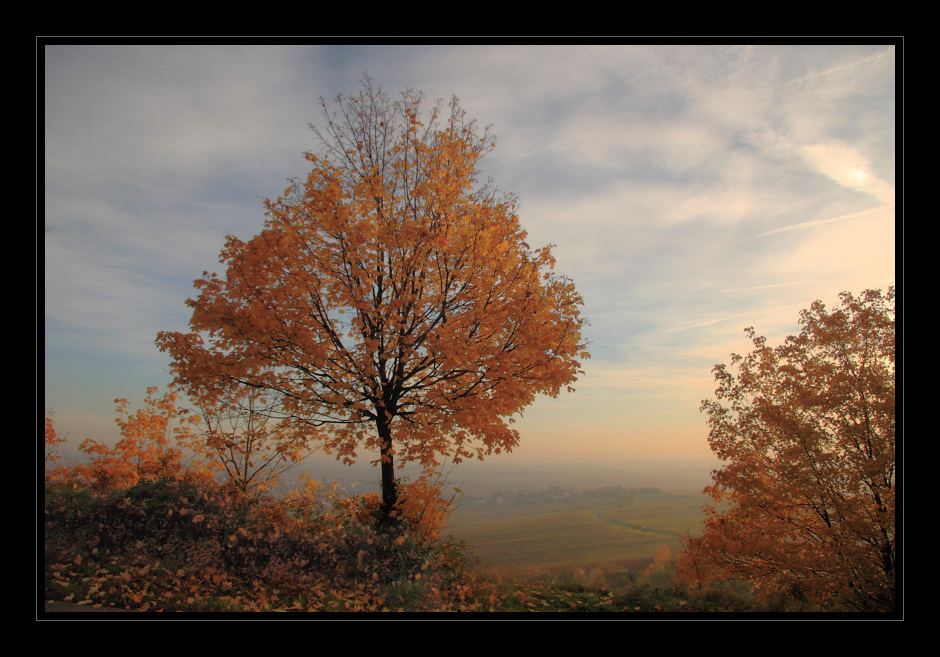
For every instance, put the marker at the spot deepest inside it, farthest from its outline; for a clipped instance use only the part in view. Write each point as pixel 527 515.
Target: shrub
pixel 180 544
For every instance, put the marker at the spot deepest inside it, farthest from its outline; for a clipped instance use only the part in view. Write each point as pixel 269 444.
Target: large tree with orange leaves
pixel 391 300
pixel 807 433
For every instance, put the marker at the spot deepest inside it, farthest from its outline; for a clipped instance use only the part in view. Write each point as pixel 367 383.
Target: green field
pixel 587 532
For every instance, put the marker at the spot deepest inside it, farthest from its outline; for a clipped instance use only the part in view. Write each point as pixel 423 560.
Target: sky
pixel 690 191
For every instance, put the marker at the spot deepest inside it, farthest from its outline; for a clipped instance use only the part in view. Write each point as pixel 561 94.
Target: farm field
pixel 588 531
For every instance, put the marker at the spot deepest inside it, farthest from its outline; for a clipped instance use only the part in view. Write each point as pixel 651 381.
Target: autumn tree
pixel 807 434
pixel 391 298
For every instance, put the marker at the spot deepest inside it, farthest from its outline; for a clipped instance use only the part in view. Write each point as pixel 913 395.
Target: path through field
pixel 602 516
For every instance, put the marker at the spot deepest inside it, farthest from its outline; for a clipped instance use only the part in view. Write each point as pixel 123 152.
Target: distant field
pixel 581 532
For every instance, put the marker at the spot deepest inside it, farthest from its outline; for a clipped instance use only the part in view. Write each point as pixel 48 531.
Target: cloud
pixel 690 190
pixel 847 167
pixel 842 68
pixel 810 224
pixel 787 284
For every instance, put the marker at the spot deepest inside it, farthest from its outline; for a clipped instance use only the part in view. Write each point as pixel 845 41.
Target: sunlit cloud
pixel 847 167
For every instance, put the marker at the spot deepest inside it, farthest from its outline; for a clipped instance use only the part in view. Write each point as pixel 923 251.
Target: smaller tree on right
pixel 805 500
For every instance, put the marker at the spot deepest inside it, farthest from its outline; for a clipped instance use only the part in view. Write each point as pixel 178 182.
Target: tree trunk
pixel 389 486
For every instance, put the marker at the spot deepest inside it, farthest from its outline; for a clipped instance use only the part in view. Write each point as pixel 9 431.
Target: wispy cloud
pixel 819 222
pixel 842 68
pixel 788 284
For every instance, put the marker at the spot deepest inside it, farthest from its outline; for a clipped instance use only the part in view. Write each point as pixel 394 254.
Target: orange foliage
pixel 663 556
pixel 806 498
pixel 151 448
pixel 422 506
pixel 311 501
pixel 389 297
pixel 53 472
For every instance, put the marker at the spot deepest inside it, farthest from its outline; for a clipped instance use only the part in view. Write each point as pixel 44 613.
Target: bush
pixel 168 521
pixel 182 545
